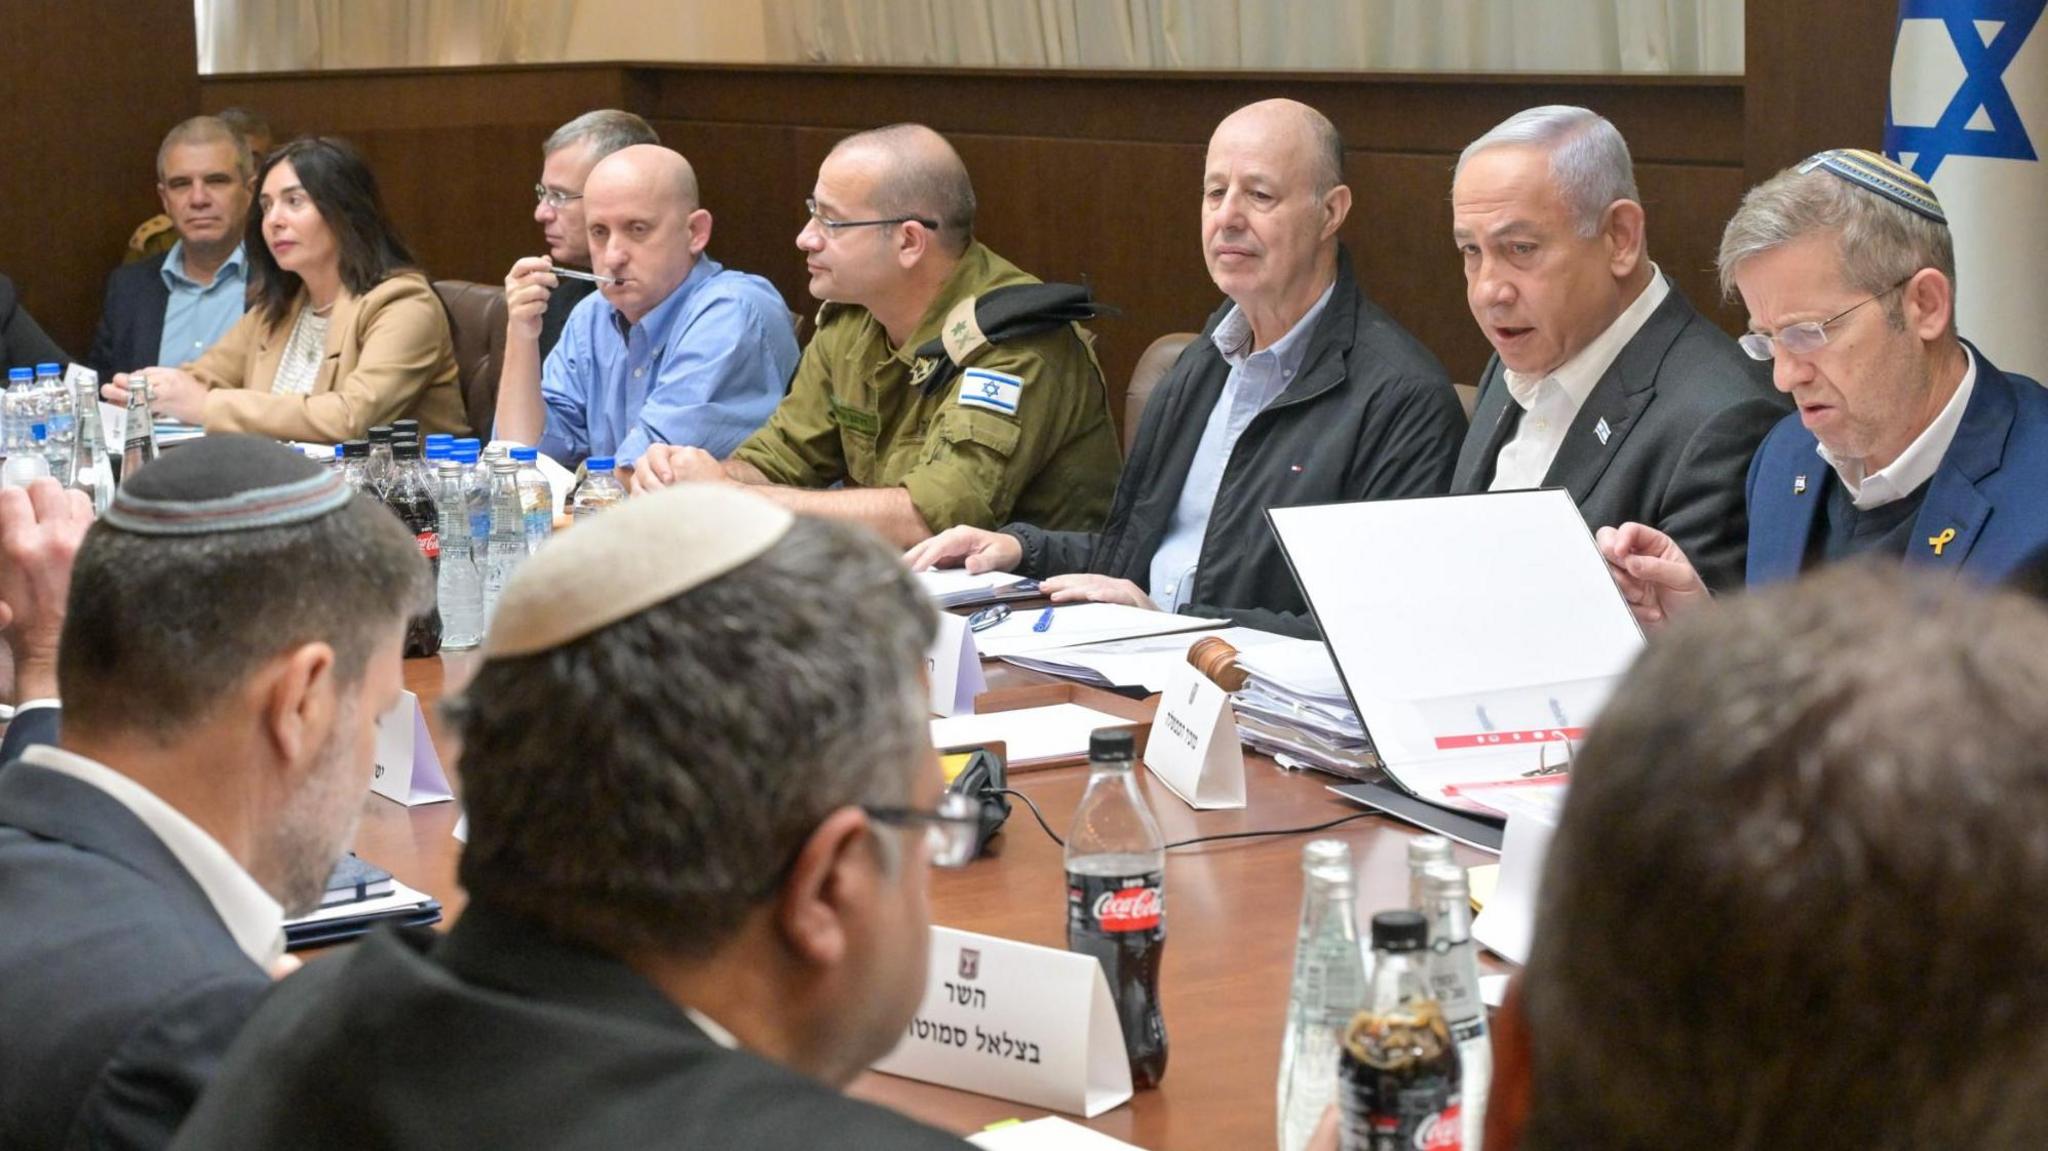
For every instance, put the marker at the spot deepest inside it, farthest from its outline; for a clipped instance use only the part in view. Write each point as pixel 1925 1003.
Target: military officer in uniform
pixel 944 386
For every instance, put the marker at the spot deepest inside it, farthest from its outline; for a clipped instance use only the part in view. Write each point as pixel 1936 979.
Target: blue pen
pixel 1044 621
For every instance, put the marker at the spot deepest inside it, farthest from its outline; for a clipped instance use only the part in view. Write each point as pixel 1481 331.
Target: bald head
pixel 916 173
pixel 646 170
pixel 1295 133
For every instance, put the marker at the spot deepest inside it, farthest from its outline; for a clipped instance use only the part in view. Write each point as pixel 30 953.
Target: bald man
pixel 678 349
pixel 1300 391
pixel 944 386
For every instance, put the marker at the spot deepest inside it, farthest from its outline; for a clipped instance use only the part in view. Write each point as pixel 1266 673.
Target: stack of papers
pixel 1145 661
pixel 1074 624
pixel 953 587
pixel 1294 709
pixel 345 921
pixel 1057 731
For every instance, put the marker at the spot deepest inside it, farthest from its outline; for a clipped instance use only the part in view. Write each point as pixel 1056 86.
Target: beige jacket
pixel 389 356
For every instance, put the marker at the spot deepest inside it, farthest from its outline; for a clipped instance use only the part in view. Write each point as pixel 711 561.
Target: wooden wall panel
pixel 90 88
pixel 1818 76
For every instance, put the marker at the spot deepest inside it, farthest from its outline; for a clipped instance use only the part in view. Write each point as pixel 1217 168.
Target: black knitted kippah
pixel 225 484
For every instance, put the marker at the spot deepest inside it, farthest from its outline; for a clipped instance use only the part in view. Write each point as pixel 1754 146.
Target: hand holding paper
pixel 1652 571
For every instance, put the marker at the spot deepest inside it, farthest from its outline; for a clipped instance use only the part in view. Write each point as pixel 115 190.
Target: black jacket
pixel 131 330
pixel 1684 410
pixel 1370 415
pixel 22 343
pixel 500 1036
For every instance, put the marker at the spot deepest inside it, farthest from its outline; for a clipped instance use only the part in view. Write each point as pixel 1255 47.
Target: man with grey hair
pixel 943 385
pixel 566 160
pixel 696 894
pixel 1300 391
pixel 171 307
pixel 1908 444
pixel 1605 380
pixel 675 348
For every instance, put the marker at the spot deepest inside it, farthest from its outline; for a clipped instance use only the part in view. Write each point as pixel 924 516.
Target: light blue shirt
pixel 200 314
pixel 1256 379
pixel 705 368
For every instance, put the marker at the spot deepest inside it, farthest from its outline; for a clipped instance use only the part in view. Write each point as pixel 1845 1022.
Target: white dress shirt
pixel 1918 463
pixel 253 918
pixel 1551 402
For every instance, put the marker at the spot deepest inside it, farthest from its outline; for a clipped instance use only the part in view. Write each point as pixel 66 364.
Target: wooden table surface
pixel 1232 911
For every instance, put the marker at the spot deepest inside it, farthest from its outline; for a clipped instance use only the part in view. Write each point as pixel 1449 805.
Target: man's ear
pixel 1507 1103
pixel 913 240
pixel 296 695
pixel 826 885
pixel 699 225
pixel 1928 302
pixel 1624 229
pixel 1336 206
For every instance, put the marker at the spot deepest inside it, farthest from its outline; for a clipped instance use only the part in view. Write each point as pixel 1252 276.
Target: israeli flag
pixel 1969 114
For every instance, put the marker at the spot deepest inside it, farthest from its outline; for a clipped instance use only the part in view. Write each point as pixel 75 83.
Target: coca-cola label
pixel 1443 1131
pixel 430 545
pixel 1116 904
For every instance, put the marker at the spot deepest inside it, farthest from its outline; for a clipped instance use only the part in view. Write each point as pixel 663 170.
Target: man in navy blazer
pixel 1909 444
pixel 169 308
pixel 218 741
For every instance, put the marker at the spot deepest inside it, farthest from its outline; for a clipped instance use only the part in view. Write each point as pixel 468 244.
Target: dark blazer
pixel 503 1037
pixel 120 987
pixel 1989 489
pixel 131 331
pixel 1369 415
pixel 37 725
pixel 1684 410
pixel 23 344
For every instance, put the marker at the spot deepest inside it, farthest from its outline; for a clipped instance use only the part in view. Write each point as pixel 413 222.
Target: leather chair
pixel 1152 368
pixel 476 320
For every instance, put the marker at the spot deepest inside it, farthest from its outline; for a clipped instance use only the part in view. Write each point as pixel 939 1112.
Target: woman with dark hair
pixel 343 331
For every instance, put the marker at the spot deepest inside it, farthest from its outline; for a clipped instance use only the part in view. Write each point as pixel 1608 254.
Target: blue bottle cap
pixel 14 374
pixel 596 464
pixel 49 369
pixel 38 431
pixel 526 455
pixel 438 451
pixel 464 455
pixel 469 442
pixel 440 438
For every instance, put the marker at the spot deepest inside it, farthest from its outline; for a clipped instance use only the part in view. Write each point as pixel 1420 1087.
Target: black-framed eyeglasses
pixel 988 617
pixel 1808 337
pixel 949 829
pixel 835 226
pixel 553 198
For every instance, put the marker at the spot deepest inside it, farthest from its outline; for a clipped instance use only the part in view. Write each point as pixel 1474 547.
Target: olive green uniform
pixel 857 412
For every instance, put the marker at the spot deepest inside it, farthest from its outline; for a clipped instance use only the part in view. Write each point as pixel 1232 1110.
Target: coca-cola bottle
pixel 1399 1081
pixel 1116 897
pixel 409 499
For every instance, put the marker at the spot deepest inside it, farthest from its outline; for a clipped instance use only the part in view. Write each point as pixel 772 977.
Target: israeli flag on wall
pixel 1969 114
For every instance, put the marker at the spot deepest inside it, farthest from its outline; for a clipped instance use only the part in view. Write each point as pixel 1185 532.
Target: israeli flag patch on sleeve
pixel 995 391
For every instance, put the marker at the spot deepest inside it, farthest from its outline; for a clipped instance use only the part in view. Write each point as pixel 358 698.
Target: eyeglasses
pixel 834 226
pixel 552 198
pixel 949 831
pixel 1809 337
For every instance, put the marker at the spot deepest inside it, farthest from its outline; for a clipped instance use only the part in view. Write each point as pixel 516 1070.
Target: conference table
pixel 1232 911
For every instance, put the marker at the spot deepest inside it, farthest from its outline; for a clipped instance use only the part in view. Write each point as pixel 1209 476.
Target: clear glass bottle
pixel 599 490
pixel 1454 979
pixel 91 470
pixel 506 548
pixel 1424 850
pixel 536 497
pixel 461 583
pixel 138 444
pixel 1328 989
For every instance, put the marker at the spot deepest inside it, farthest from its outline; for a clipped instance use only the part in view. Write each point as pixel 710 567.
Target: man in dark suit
pixel 696 867
pixel 1605 380
pixel 219 737
pixel 23 343
pixel 169 308
pixel 1909 443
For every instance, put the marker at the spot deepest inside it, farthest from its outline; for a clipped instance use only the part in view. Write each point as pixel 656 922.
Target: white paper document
pixel 1476 635
pixel 1146 661
pixel 400 897
pixel 1053 732
pixel 1051 1133
pixel 1073 624
pixel 953 587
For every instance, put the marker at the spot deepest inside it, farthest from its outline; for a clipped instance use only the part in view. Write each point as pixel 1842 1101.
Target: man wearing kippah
pixel 232 633
pixel 1908 444
pixel 696 887
pixel 943 385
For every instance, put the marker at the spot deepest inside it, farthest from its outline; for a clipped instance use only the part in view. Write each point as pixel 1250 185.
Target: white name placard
pixel 953 668
pixel 1033 1025
pixel 408 767
pixel 1194 749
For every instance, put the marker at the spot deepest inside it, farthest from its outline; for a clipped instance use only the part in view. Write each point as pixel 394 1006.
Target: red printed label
pixel 430 545
pixel 1440 1132
pixel 1505 738
pixel 1131 909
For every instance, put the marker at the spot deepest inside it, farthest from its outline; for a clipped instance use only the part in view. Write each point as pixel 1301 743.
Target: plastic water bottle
pixel 535 497
pixel 382 470
pixel 53 400
pixel 28 462
pixel 476 487
pixel 506 549
pixel 461 584
pixel 17 407
pixel 1329 988
pixel 1116 897
pixel 599 490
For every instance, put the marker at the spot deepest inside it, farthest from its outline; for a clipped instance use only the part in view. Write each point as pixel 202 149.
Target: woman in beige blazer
pixel 342 333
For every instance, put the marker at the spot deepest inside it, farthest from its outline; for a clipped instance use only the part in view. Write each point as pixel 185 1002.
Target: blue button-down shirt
pixel 706 367
pixel 1256 379
pixel 199 314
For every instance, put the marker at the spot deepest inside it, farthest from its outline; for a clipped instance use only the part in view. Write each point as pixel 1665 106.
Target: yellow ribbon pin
pixel 1941 541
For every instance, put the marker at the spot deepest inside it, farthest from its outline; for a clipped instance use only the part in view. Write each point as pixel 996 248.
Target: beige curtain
pixel 1641 36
